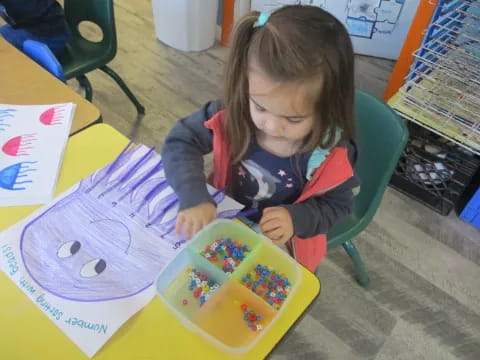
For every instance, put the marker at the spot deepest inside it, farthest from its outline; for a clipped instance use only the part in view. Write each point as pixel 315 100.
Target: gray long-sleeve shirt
pixel 189 140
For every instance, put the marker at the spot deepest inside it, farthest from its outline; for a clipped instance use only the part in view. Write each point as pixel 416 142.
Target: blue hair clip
pixel 262 19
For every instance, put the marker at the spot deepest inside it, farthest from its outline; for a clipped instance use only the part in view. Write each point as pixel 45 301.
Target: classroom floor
pixel 424 301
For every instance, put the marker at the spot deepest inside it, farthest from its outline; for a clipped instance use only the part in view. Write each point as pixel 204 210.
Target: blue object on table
pixel 471 212
pixel 43 56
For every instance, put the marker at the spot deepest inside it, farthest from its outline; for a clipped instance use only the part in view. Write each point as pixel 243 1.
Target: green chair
pixel 82 56
pixel 381 137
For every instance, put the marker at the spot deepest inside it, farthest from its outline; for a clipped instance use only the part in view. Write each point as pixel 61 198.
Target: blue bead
pixel 259 317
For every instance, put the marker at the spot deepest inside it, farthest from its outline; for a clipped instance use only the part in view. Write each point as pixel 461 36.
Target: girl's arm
pixel 318 214
pixel 182 154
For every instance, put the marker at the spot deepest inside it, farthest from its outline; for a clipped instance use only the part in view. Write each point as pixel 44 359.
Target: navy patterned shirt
pixel 263 179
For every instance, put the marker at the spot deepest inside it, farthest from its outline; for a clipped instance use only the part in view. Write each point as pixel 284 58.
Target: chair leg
pixel 352 251
pixel 84 83
pixel 124 87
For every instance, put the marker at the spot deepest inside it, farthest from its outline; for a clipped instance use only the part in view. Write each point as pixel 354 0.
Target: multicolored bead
pixel 268 284
pixel 231 253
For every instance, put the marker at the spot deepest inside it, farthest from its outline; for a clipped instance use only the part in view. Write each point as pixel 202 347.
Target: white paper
pixel 32 142
pixel 88 260
pixel 376 27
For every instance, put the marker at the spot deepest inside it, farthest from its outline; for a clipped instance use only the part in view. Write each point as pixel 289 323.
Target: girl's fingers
pixel 282 240
pixel 187 229
pixel 206 222
pixel 276 234
pixel 270 226
pixel 266 220
pixel 179 224
pixel 198 225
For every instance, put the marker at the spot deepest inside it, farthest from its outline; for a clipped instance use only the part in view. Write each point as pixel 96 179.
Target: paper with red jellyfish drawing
pixel 32 142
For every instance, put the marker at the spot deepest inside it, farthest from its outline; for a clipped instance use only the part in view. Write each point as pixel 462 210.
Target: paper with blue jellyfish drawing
pixel 32 141
pixel 88 260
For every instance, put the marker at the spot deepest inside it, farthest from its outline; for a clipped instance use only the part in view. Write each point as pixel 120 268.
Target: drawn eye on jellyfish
pixel 68 249
pixel 90 269
pixel 17 174
pixel 6 115
pixel 93 268
pixel 19 145
pixel 53 115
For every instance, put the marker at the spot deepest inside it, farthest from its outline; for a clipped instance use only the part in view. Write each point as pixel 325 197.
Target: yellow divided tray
pixel 221 317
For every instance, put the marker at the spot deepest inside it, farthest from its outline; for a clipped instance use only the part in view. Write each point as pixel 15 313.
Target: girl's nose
pixel 274 126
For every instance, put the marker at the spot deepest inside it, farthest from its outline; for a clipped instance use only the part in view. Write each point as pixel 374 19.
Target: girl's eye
pixel 259 108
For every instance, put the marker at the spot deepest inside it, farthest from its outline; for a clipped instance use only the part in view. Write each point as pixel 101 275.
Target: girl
pixel 281 138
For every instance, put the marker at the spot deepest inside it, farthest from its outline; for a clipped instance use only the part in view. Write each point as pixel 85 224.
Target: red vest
pixel 333 171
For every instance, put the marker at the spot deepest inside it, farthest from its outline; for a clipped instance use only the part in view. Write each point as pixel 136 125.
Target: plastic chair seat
pixel 81 57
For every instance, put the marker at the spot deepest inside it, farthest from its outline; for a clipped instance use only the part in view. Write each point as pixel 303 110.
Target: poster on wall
pixel 376 27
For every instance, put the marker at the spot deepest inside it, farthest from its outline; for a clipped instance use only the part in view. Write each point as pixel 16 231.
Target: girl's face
pixel 280 110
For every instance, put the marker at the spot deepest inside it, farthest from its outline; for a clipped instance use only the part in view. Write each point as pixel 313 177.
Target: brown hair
pixel 298 43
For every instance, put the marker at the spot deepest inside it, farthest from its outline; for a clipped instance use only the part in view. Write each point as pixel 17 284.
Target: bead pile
pixel 229 252
pixel 252 319
pixel 202 287
pixel 268 284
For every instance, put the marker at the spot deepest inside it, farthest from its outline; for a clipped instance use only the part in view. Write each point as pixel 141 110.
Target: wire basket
pixel 442 90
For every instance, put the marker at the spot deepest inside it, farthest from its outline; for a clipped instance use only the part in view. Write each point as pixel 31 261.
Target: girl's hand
pixel 192 220
pixel 276 223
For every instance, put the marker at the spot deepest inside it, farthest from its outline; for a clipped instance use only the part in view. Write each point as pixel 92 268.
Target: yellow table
pixel 23 82
pixel 153 333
